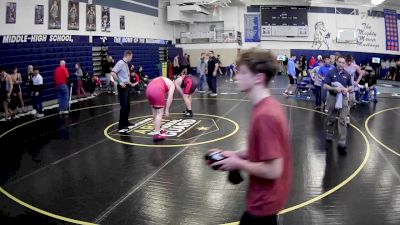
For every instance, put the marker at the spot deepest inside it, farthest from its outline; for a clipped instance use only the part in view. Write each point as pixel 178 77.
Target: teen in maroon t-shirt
pixel 267 159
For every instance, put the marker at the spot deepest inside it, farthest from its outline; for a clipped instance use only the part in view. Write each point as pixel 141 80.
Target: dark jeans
pixel 248 219
pixel 212 83
pixel 124 101
pixel 37 103
pixel 317 95
pixel 201 82
pixel 176 70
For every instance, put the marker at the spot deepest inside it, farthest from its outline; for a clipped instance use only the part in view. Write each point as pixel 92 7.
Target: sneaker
pixel 341 149
pixel 39 115
pixel 375 100
pixel 202 92
pixel 318 108
pixel 123 131
pixel 158 137
pixel 213 94
pixel 3 120
pixel 16 117
pixel 285 93
pixel 189 114
pixel 347 120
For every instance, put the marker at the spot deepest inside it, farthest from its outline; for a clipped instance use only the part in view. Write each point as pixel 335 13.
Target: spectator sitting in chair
pixel 368 84
pixel 143 76
pixel 363 85
pixel 135 79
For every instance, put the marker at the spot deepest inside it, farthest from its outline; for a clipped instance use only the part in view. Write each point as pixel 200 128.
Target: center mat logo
pixel 174 127
pixel 178 128
pixel 181 131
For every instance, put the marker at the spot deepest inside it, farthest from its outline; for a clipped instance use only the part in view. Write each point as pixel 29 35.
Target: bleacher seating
pixel 46 56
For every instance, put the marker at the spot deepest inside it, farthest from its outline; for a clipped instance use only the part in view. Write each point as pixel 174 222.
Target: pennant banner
pixel 392 39
pixel 252 27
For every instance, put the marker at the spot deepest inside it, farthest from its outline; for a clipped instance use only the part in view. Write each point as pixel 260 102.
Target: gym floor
pixel 78 170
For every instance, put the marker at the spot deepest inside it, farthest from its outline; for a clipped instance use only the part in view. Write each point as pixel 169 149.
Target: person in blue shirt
pixel 291 71
pixel 323 71
pixel 338 83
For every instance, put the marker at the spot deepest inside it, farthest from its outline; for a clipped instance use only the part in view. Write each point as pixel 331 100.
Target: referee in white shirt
pixel 120 73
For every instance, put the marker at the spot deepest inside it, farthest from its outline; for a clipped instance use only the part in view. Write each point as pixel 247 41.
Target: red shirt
pixel 268 140
pixel 60 75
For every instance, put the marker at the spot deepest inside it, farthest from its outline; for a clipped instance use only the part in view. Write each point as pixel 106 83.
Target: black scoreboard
pixel 284 21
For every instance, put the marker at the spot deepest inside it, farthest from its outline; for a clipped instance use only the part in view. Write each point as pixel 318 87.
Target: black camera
pixel 234 176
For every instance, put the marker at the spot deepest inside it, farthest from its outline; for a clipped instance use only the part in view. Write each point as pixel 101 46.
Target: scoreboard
pixel 284 21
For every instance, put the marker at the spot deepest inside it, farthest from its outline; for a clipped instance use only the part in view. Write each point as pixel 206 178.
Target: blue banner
pixel 252 27
pixel 128 40
pixel 392 39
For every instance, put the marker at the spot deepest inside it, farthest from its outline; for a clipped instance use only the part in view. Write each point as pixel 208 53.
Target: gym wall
pixel 371 28
pixel 136 24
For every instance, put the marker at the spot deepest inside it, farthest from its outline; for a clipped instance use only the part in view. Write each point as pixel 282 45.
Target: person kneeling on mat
pixel 186 86
pixel 155 94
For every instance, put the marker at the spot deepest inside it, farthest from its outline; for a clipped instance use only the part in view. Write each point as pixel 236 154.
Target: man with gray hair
pixel 61 76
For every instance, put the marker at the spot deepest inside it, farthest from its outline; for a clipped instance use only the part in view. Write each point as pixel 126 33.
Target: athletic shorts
pixel 3 98
pixel 16 89
pixel 189 84
pixel 155 93
pixel 291 79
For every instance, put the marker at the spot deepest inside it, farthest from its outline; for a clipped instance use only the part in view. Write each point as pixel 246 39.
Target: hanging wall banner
pixel 252 28
pixel 392 39
pixel 73 15
pixel 39 14
pixel 127 40
pixel 90 17
pixel 11 12
pixel 54 14
pixel 105 19
pixel 122 22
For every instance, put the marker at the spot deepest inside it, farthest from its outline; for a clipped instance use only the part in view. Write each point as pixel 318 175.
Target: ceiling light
pixel 377 2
